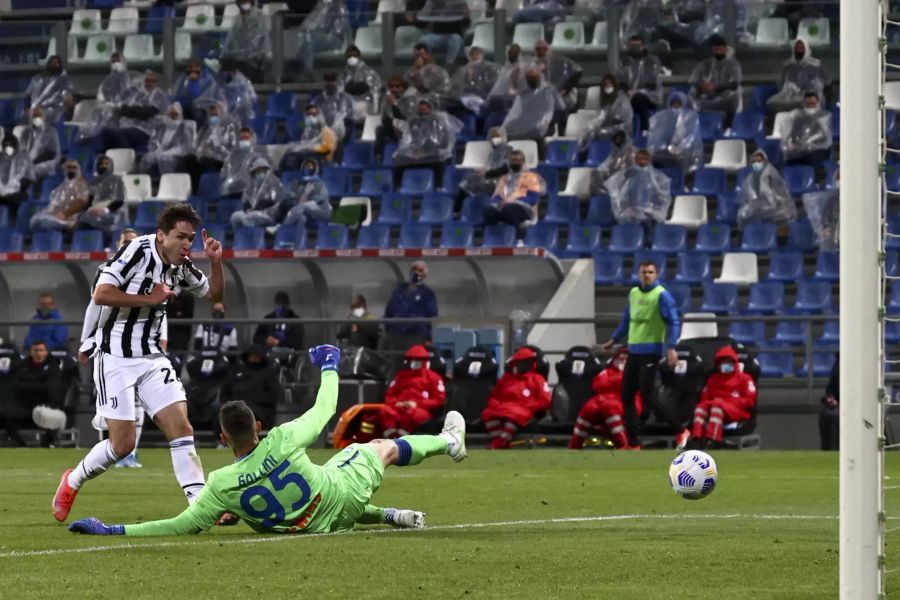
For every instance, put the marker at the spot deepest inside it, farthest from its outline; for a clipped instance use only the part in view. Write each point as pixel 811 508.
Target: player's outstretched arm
pixel 305 429
pixel 195 519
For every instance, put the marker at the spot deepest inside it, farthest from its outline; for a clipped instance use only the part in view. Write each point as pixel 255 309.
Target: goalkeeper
pixel 274 486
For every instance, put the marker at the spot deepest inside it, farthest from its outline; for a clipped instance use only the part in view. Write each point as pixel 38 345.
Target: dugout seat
pixel 474 375
pixel 575 372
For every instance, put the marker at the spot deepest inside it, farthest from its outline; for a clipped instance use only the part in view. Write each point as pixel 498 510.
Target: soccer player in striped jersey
pixel 273 486
pixel 130 361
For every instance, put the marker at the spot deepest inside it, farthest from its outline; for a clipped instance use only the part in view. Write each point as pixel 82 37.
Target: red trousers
pixel 394 422
pixel 603 415
pixel 711 415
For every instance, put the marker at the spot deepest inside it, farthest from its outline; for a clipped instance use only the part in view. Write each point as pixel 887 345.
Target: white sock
pixel 138 430
pixel 97 461
pixel 187 467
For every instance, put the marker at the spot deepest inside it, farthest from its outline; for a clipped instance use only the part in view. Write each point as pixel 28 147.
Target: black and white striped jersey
pixel 130 332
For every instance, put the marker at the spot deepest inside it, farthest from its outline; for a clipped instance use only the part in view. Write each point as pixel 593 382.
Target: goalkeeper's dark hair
pixel 238 421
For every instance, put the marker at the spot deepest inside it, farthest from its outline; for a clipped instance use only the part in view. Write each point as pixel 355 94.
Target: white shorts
pixel 150 380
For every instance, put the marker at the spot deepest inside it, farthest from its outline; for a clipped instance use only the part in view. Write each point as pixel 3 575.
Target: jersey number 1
pixel 272 513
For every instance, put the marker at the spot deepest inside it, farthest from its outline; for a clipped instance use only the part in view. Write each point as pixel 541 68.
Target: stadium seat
pixel 332 236
pixel 772 33
pixel 50 183
pixel 740 268
pixel 893 228
pixel 893 300
pixel 608 269
pixel 670 239
pixel 499 236
pixel 761 94
pixel 85 22
pixel 483 37
pixel 225 208
pixel 11 240
pixel 123 160
pixel 469 124
pixel 87 240
pixel 699 329
pixel 337 181
pixel 689 211
pixel 828 266
pixel 801 237
pixel 749 333
pixel 800 179
pixel 759 238
pixel 457 235
pixel 405 38
pixel 370 128
pixel 816 31
pixel 791 333
pixel 598 151
pixel 599 41
pixel 376 235
pixel 831 334
pixel 730 155
pixel 249 238
pixel 627 238
pixel 600 212
pixel 727 208
pixel 583 240
pixel 891 264
pixel 139 49
pixel 775 364
pixel 708 182
pixel 122 21
pixel 476 155
pixel 813 297
pixel 657 258
pixel 415 235
pixel 694 269
pixel 713 238
pixel 543 235
pixel 766 298
pixel 417 182
pixel 450 183
pixel 174 187
pixel 772 148
pixel 209 186
pixel 526 35
pixel 720 298
pixel 551 178
pixel 376 182
pixel 395 210
pixel 200 205
pixel 821 366
pixel 436 210
pixel 578 183
pixel 97 51
pixel 47 241
pixel 562 210
pixel 711 125
pixel 280 105
pixel 676 179
pixel 368 40
pixel 27 210
pixel 529 148
pixel 473 209
pixel 785 266
pixel 494 119
pixel 568 36
pixel 199 18
pixel 562 153
pixel 681 292
pixel 748 125
pixel 145 216
pixel 4 217
pixel 156 16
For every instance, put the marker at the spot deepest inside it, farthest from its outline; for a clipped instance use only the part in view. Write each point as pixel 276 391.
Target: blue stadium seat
pixel 50 183
pixel 214 230
pixel 670 239
pixel 88 240
pixel 600 212
pixel 562 210
pixel 376 235
pixel 761 94
pixel 457 235
pixel 800 179
pixel 395 210
pixel 682 294
pixel 473 209
pixel 713 238
pixel 791 333
pixel 813 297
pixel 280 104
pixel 693 269
pixel 766 298
pixel 452 179
pixel 892 178
pixel 608 269
pixel 830 169
pixel 209 186
pixel 11 240
pixel 358 156
pixel 749 333
pixel 597 152
pixel 415 235
pixel 249 238
pixel 499 236
pixel 468 132
pixel 583 240
pixel 775 364
pixel 290 238
pixel 821 367
pixel 893 303
pixel 388 156
pixel 658 259
pixel 709 181
pixel 759 237
pixel 337 181
pixel 711 125
pixel 892 332
pixel 279 130
pixel 9 113
pixel 893 228
pixel 785 266
pixel 146 213
pixel 417 182
pixel 551 178
pixel 626 238
pixel 543 235
pixel 224 209
pixel 828 266
pixel 47 241
pixel 494 119
pixel 891 264
pixel 801 236
pixel 720 298
pixel 727 208
pixel 156 16
pixel 332 236
pixel 772 148
pixel 4 217
pixel 376 182
pixel 831 333
pixel 562 153
pixel 436 210
pixel 27 210
pixel 676 176
pixel 201 206
pixel 748 125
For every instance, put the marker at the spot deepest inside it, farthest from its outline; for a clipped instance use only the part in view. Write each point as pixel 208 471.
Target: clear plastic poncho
pixel 266 193
pixel 614 116
pixel 42 146
pixel 807 132
pixel 107 210
pixel 407 104
pixel 560 72
pixel 237 92
pixel 433 78
pixel 640 17
pixel 248 40
pixel 710 23
pixel 173 139
pixel 310 139
pixel 797 78
pixel 619 159
pixel 361 81
pixel 824 212
pixel 312 189
pixel 721 73
pixel 510 81
pixel 67 195
pixel 484 184
pixel 113 91
pixel 532 112
pixel 216 141
pixel 336 108
pixel 763 196
pixel 235 173
pixel 472 83
pixel 639 194
pixel 13 171
pixel 185 87
pixel 675 137
pixel 49 92
pixel 140 97
pixel 329 16
pixel 642 74
pixel 426 139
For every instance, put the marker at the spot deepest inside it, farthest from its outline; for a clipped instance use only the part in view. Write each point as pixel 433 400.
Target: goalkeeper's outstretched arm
pixel 197 518
pixel 305 429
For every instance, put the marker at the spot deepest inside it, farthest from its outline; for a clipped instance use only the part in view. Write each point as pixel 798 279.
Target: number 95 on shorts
pixel 152 379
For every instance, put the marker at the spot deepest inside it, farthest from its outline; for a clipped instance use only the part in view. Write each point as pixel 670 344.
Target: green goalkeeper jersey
pixel 275 488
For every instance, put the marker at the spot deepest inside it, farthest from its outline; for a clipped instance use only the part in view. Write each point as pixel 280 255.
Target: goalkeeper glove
pixel 94 526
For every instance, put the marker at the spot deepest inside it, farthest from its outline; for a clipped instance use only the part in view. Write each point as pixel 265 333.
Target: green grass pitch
pixel 499 523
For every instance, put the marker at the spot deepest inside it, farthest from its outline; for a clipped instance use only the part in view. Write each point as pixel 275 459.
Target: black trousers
pixel 830 428
pixel 639 376
pixel 642 105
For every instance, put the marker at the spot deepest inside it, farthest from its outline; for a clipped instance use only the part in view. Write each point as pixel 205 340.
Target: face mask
pixel 218 314
pixel 245 6
pixel 757 166
pixel 415 278
pixel 521 367
pixel 634 52
pixel 620 365
pixel 533 83
pixel 358 312
pixel 676 107
pixel 54 70
pixel 810 110
pixel 244 144
pixel 101 170
pixel 9 150
pixel 260 175
pixel 515 167
pixel 415 364
pixel 312 121
pixel 71 174
pixel 352 61
pixel 496 141
pixel 309 172
pixel 608 90
pixel 719 56
pixel 38 122
pixel 173 117
pixel 117 67
pixel 215 120
pixel 726 368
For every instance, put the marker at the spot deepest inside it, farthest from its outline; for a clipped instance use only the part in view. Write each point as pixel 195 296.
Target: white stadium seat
pixel 689 211
pixel 701 329
pixel 740 268
pixel 137 188
pixel 730 155
pixel 123 160
pixel 174 187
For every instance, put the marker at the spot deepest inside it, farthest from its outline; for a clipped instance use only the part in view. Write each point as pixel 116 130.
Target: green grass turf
pixel 675 548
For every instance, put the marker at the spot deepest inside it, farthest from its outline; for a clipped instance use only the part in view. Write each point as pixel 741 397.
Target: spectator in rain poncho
pixel 640 193
pixel 620 157
pixel 533 111
pixel 511 79
pixel 614 115
pixel 399 104
pixel 640 17
pixel 763 194
pixel 172 146
pixel 640 77
pixel 559 71
pixel 318 141
pixel 675 138
pixel 265 201
pixel 516 196
pixel 807 134
pixel 824 212
pixel 217 138
pixel 51 90
pixel 107 210
pixel 67 202
pixel 313 202
pixel 113 90
pixel 445 23
pixel 426 77
pixel 141 112
pixel 484 181
pixel 16 174
pixel 41 141
pixel 427 140
pixel 336 106
pixel 359 79
pixel 545 12
pixel 235 90
pixel 191 86
pixel 247 43
pixel 694 22
pixel 716 82
pixel 326 28
pixel 471 84
pixel 235 173
pixel 799 75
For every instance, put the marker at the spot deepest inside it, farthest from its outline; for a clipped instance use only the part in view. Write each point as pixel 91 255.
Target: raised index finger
pixel 203 234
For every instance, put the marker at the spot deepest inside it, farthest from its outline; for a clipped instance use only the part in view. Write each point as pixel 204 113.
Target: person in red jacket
pixel 729 396
pixel 603 412
pixel 414 396
pixel 517 398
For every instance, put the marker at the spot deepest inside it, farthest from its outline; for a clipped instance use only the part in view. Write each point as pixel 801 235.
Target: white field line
pixel 266 539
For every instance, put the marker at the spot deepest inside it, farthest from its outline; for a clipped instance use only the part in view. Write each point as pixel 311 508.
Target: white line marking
pixel 283 538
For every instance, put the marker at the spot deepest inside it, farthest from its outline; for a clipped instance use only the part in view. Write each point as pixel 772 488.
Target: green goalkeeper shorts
pixel 357 473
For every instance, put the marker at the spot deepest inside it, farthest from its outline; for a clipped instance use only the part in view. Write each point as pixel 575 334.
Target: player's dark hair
pixel 281 297
pixel 238 421
pixel 175 213
pixel 648 263
pixel 39 343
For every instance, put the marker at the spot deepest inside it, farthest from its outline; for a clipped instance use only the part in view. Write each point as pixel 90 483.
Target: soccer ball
pixel 693 474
